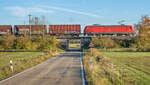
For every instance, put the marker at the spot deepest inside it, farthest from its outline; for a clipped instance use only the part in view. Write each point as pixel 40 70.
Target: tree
pixel 142 40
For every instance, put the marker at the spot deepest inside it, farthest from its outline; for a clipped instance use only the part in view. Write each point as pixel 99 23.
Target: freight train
pixel 97 30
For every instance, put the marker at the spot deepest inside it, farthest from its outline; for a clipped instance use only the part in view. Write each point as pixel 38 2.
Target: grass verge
pixel 21 61
pixel 117 68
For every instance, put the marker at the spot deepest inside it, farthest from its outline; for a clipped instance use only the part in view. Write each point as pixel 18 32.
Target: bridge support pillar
pixel 67 44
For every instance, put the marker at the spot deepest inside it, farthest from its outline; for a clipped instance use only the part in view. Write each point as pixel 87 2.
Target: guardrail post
pixel 11 66
pixel 91 62
pixel 42 53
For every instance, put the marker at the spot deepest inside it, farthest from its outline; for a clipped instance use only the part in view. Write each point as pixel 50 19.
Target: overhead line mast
pixel 30 21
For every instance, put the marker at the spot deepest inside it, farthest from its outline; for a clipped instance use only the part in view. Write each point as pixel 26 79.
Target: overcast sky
pixel 108 12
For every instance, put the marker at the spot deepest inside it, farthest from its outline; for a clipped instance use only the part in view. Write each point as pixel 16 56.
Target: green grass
pixel 21 61
pixel 133 66
pixel 74 46
pixel 5 57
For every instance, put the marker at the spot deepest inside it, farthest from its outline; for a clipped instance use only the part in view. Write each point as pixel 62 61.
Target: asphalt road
pixel 64 69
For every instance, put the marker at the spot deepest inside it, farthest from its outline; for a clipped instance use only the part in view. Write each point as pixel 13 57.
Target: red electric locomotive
pixel 113 30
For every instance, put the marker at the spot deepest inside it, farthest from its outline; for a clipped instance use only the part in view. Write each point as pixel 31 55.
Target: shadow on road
pixel 73 50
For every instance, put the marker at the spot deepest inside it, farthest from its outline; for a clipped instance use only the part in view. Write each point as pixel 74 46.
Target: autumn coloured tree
pixel 142 40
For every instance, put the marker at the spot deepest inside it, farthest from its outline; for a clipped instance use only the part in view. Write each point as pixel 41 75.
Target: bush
pixel 48 43
pixel 104 43
pixel 24 43
pixel 6 42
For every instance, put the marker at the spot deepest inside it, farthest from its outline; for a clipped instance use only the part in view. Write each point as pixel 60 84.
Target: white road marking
pixel 82 70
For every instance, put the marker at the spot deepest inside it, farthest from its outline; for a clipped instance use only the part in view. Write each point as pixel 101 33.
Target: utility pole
pixel 24 30
pixel 36 21
pixel 30 21
pixel 30 24
pixel 43 30
pixel 43 23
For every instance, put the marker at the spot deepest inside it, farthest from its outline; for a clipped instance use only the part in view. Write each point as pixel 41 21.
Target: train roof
pixel 36 27
pixel 95 25
pixel 29 25
pixel 5 26
pixel 65 25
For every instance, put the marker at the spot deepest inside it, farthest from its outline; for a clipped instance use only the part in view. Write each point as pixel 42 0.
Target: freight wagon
pixel 64 29
pixel 109 30
pixel 5 29
pixel 29 29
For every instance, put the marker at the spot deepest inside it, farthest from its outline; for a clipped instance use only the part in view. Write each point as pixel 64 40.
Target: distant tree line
pixel 141 40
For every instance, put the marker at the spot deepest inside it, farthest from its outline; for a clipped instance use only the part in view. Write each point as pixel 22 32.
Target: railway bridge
pixel 78 41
